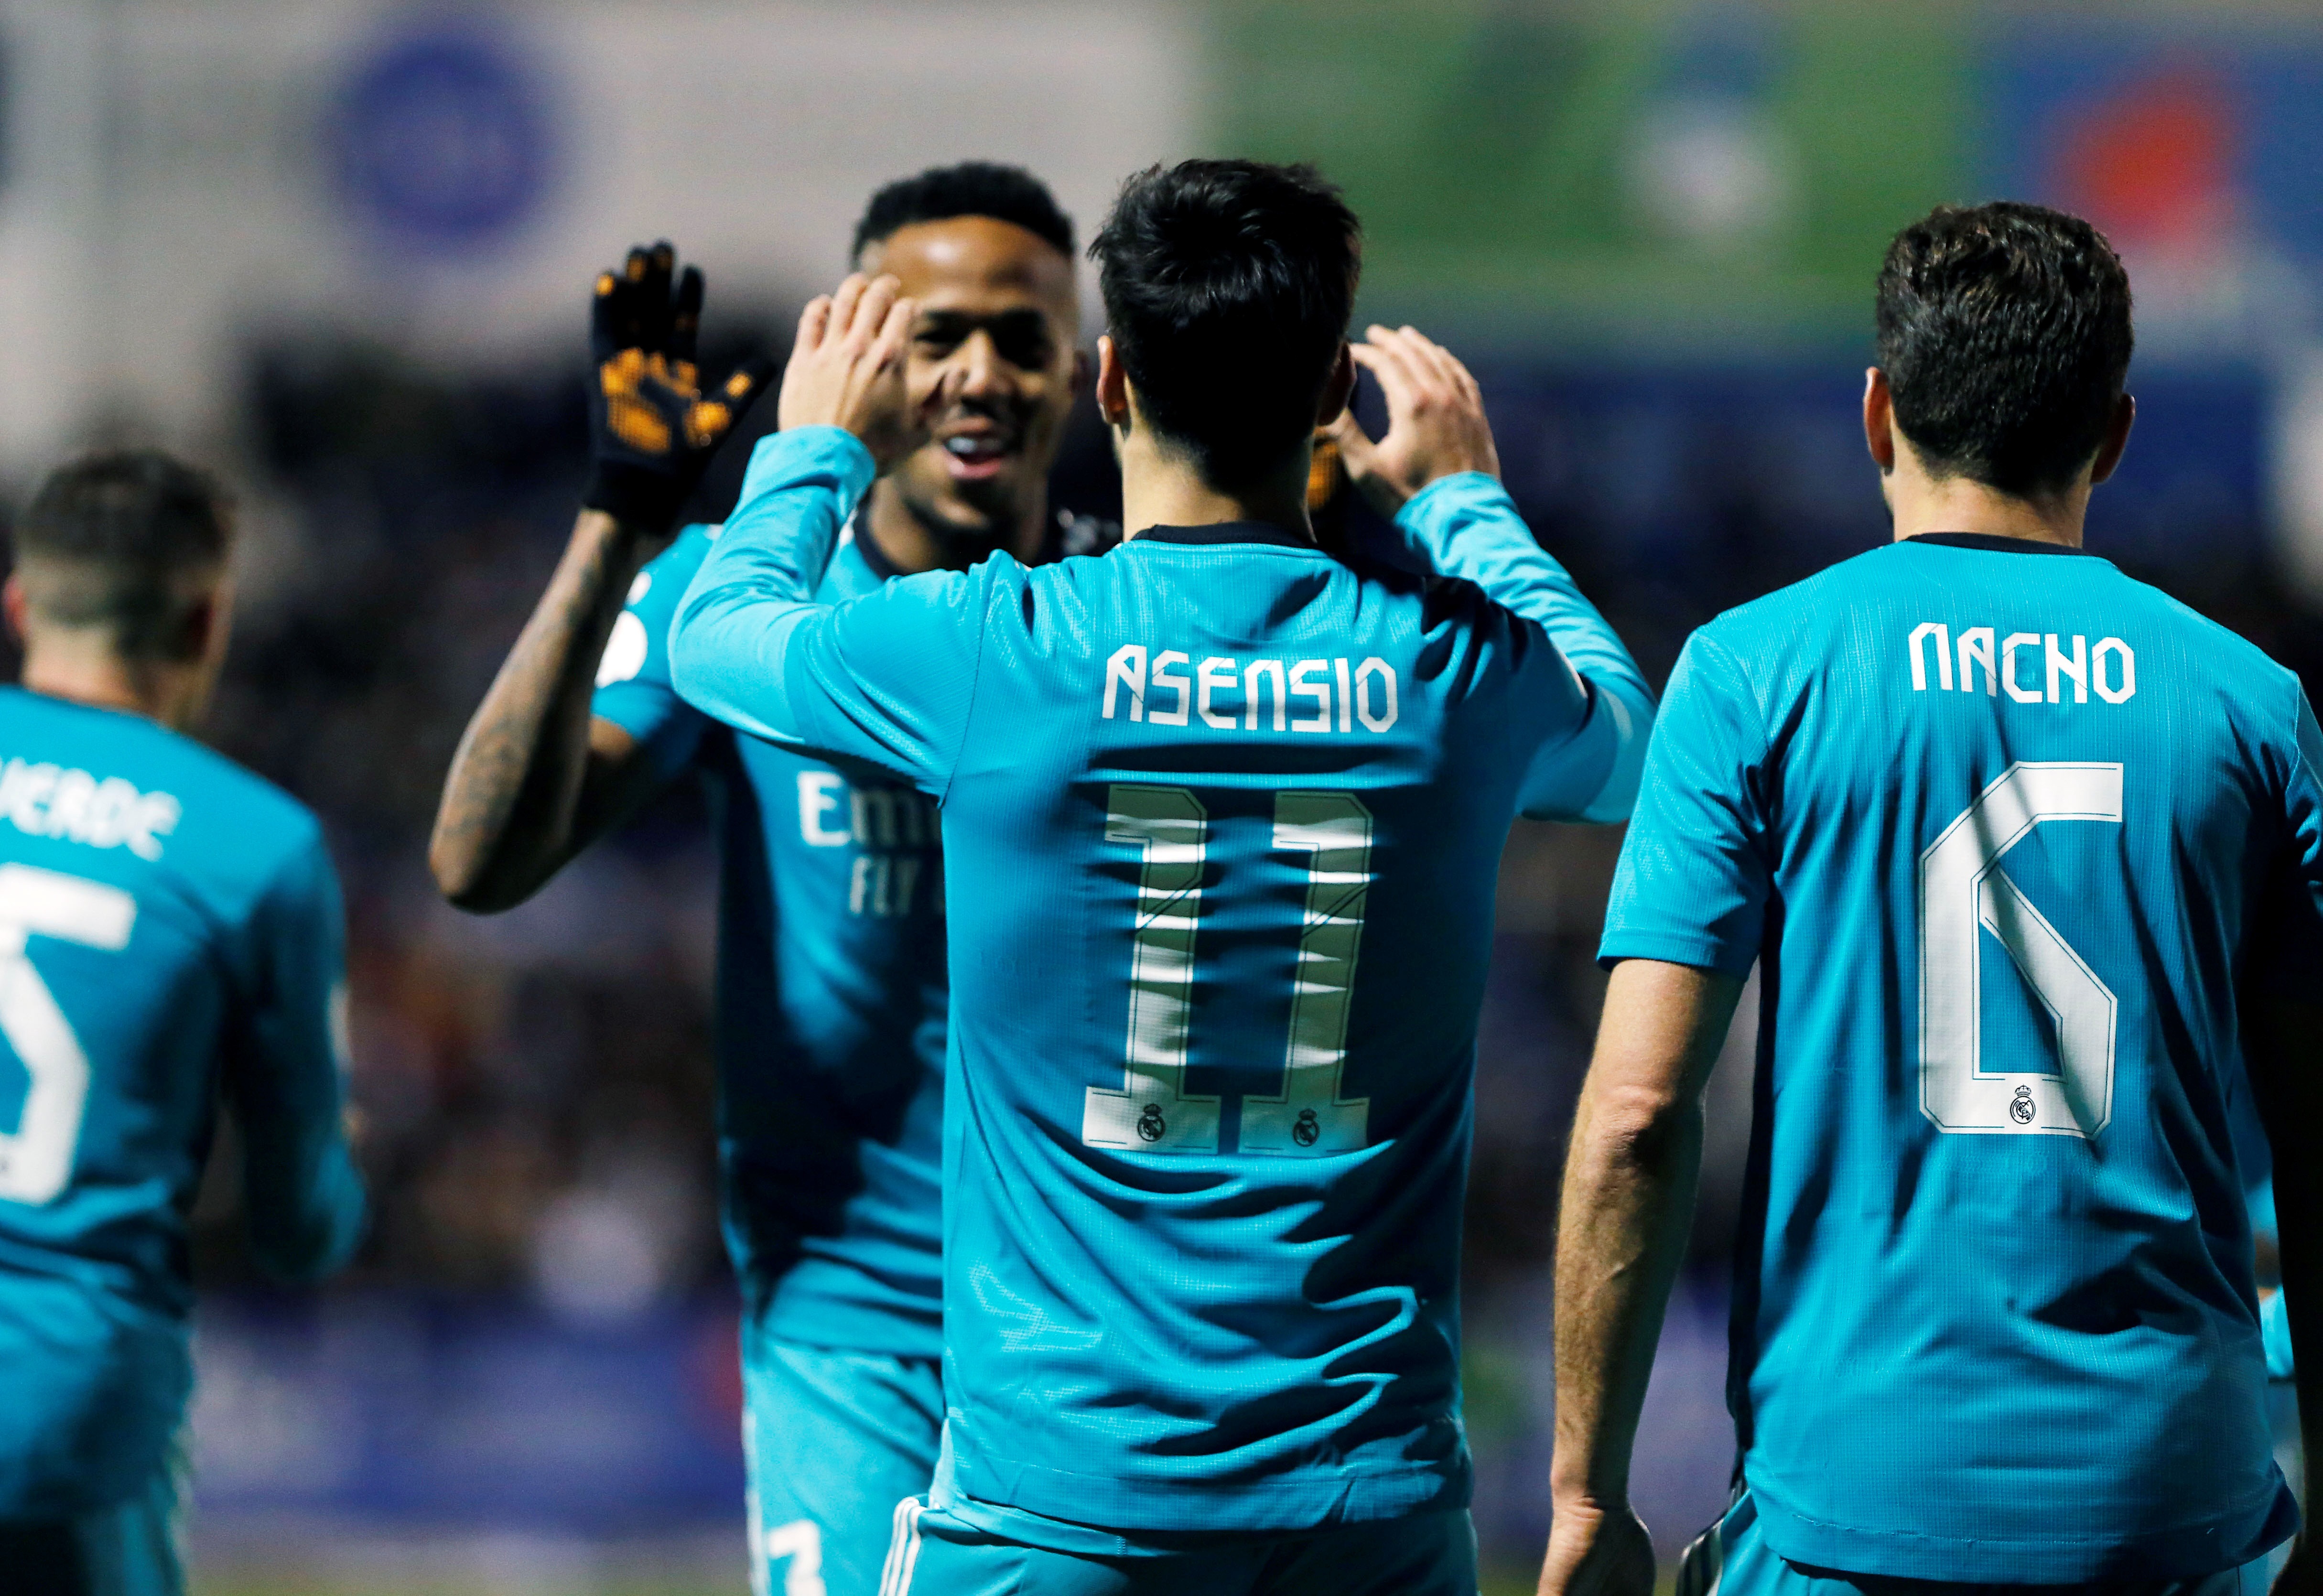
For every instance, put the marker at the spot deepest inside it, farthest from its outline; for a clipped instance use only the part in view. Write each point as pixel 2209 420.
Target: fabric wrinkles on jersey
pixel 1984 1356
pixel 1212 1339
pixel 223 990
pixel 832 999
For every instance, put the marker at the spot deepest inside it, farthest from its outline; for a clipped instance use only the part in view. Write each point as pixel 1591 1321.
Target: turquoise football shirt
pixel 171 936
pixel 832 998
pixel 832 991
pixel 1221 819
pixel 1994 820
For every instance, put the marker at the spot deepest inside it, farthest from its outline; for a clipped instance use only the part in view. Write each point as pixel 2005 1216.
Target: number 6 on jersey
pixel 1151 1112
pixel 1964 893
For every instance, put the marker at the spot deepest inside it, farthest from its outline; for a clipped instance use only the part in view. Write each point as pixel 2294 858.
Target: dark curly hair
pixel 972 188
pixel 2004 332
pixel 1227 287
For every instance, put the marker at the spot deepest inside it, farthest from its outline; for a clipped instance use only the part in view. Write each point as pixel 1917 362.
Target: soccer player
pixel 831 983
pixel 1996 822
pixel 170 932
pixel 1221 820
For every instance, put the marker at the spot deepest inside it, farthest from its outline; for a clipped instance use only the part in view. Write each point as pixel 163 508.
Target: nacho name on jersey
pixel 1169 688
pixel 2031 667
pixel 44 800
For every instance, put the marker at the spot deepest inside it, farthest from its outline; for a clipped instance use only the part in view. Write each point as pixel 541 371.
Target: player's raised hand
pixel 847 370
pixel 652 428
pixel 1436 425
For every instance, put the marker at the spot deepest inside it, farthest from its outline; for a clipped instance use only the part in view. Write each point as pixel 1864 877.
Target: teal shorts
pixel 834 1441
pixel 1732 1558
pixel 130 1549
pixel 937 1554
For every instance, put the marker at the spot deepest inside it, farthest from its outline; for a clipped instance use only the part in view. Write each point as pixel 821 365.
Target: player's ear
pixel 1339 389
pixel 11 605
pixel 1112 384
pixel 2117 439
pixel 1879 420
pixel 202 633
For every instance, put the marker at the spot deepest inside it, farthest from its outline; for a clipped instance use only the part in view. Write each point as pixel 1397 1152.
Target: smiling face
pixel 998 317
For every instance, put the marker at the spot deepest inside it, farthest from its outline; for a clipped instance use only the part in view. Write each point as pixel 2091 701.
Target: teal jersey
pixel 832 998
pixel 171 934
pixel 1995 821
pixel 1221 823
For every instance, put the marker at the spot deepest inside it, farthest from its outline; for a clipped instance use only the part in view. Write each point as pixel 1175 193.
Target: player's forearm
pixel 1628 1196
pixel 728 648
pixel 506 820
pixel 1467 526
pixel 307 1208
pixel 1627 1207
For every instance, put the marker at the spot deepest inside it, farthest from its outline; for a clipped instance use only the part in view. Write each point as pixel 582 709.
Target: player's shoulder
pixel 1071 558
pixel 1793 633
pixel 638 645
pixel 111 779
pixel 2237 663
pixel 1075 534
pixel 665 575
pixel 1809 605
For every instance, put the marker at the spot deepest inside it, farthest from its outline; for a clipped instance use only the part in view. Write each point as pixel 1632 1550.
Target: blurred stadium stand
pixel 340 248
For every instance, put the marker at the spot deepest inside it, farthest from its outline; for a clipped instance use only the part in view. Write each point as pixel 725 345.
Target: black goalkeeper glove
pixel 652 430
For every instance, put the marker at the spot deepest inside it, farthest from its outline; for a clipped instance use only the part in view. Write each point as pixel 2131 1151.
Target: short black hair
pixel 130 540
pixel 972 188
pixel 1227 288
pixel 2004 332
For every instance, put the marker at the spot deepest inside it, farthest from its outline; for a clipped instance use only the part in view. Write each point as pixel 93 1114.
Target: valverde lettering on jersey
pixel 2110 669
pixel 1169 689
pixel 42 799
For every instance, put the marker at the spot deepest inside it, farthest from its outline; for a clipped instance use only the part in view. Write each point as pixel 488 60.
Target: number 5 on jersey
pixel 36 1162
pixel 1151 1112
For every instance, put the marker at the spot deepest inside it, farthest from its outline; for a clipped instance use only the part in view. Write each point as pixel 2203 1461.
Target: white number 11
pixel 1151 1111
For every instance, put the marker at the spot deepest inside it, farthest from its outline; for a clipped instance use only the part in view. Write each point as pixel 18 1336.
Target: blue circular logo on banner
pixel 445 137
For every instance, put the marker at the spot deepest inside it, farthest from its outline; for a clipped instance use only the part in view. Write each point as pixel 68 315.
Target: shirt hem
pixel 2193 1550
pixel 1673 948
pixel 1314 1501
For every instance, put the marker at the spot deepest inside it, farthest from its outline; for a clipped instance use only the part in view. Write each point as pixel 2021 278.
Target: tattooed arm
pixel 538 778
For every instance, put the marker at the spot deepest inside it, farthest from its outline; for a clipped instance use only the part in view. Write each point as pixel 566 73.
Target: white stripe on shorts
pixel 903 1548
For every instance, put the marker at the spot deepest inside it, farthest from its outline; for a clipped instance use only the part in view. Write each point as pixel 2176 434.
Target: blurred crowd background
pixel 340 250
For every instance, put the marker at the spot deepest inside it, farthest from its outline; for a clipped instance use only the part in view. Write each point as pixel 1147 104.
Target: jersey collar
pixel 1228 532
pixel 1999 546
pixel 1064 532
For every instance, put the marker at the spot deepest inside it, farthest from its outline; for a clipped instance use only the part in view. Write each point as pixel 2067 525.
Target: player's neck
pixel 86 672
pixel 1159 489
pixel 1922 503
pixel 913 543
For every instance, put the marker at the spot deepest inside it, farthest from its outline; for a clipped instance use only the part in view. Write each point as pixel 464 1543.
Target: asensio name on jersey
pixel 1221 822
pixel 1993 819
